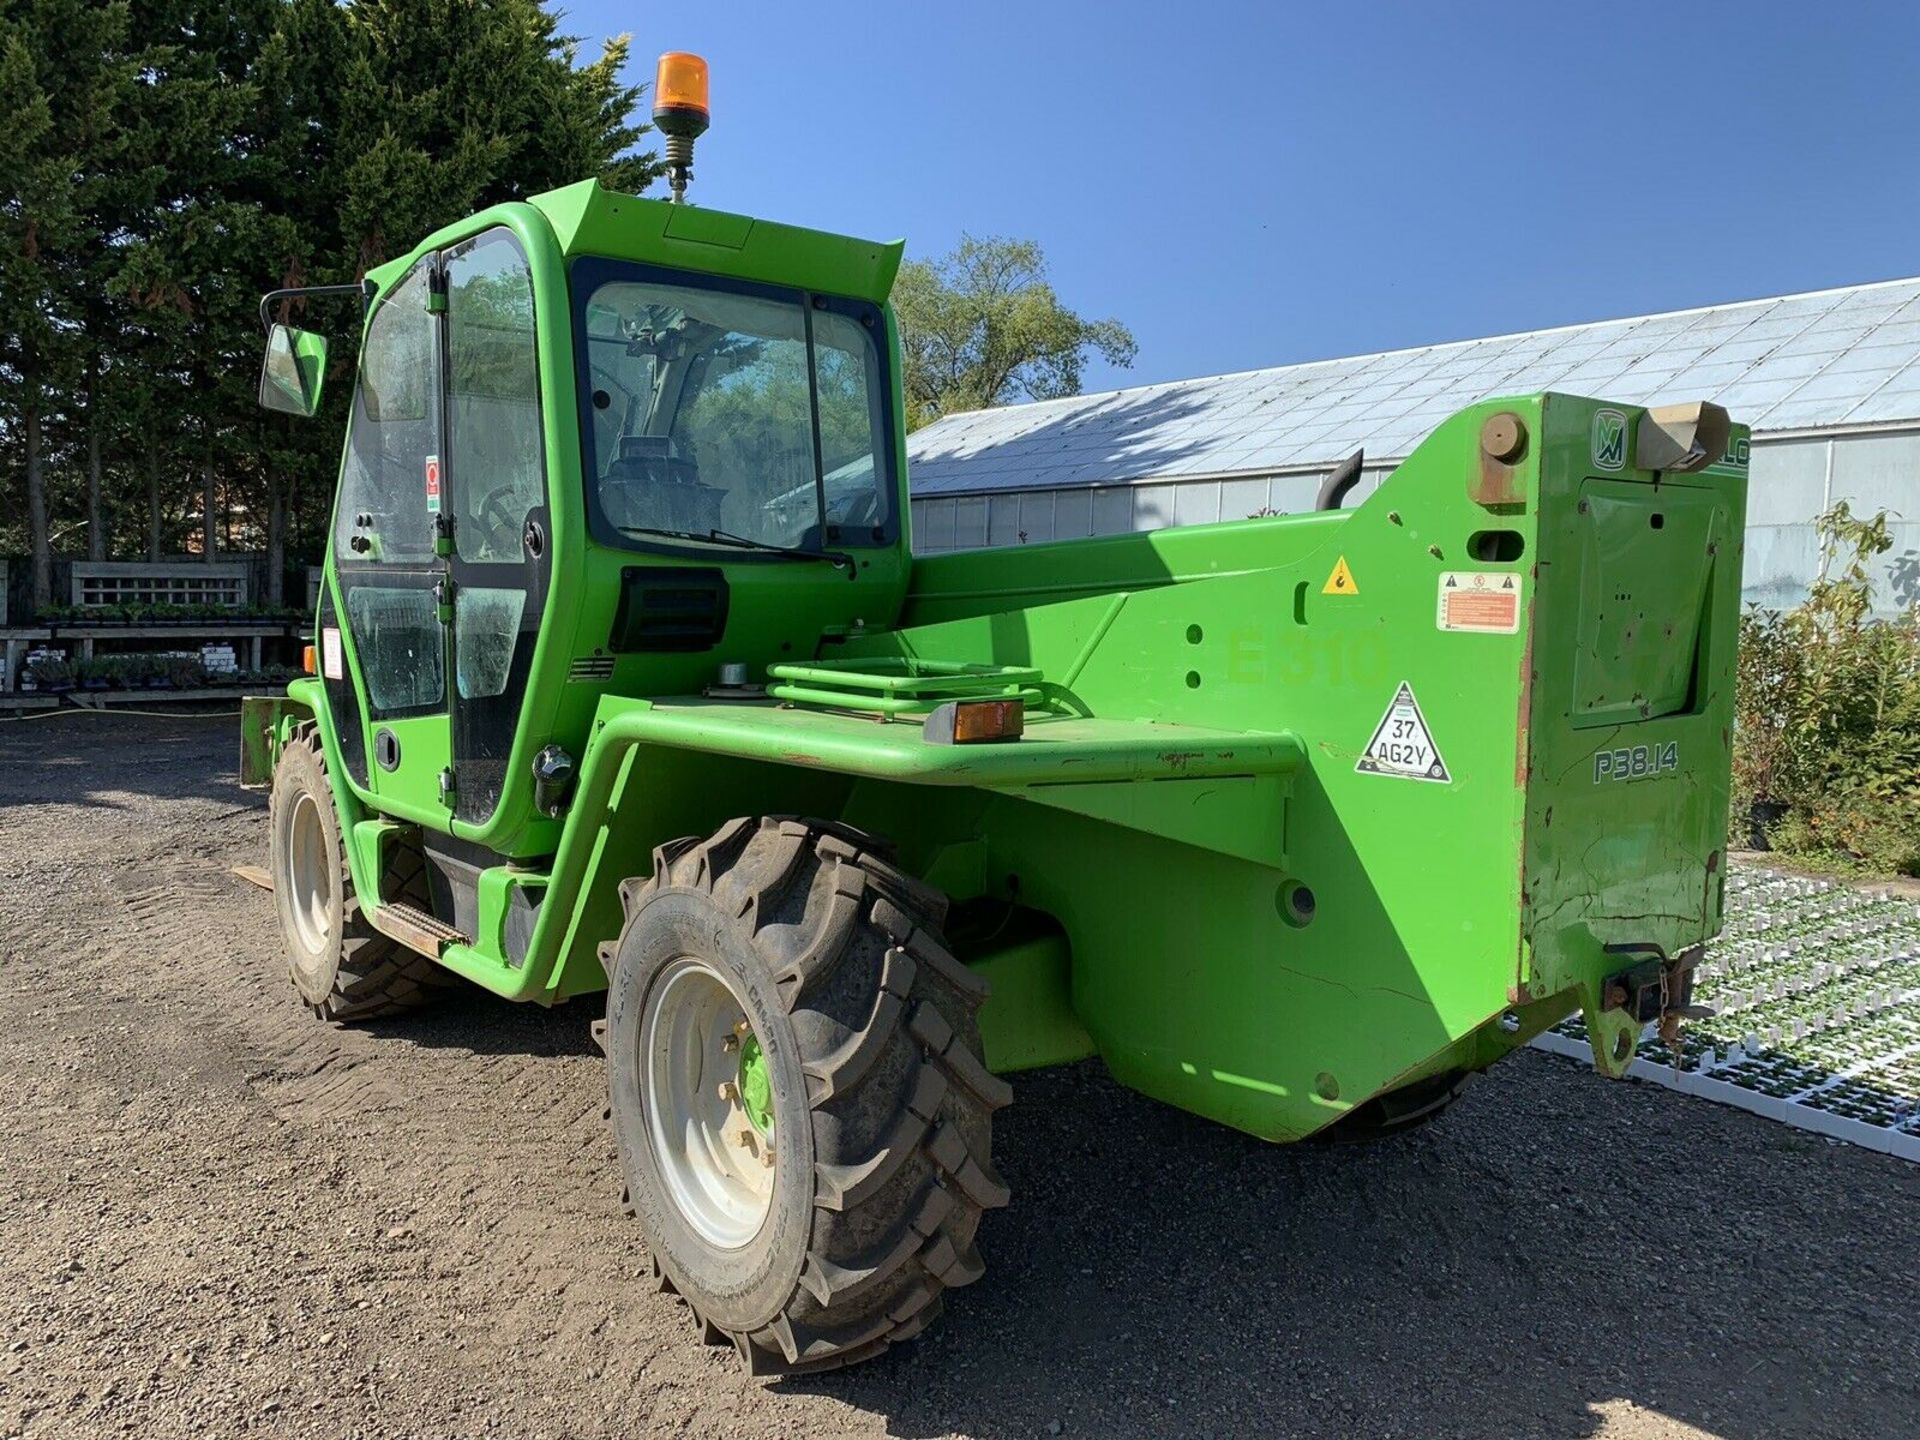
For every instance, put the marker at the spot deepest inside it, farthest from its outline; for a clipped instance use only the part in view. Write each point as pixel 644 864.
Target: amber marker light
pixel 680 113
pixel 974 722
pixel 306 660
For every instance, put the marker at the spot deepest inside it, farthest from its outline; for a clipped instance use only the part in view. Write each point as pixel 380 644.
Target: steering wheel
pixel 499 525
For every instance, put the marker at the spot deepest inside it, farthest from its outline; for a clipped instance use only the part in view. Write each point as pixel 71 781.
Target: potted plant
pixel 51 673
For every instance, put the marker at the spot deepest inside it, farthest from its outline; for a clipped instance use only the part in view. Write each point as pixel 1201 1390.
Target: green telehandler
pixel 625 679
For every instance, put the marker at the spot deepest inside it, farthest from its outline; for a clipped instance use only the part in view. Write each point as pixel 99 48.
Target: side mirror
pixel 295 369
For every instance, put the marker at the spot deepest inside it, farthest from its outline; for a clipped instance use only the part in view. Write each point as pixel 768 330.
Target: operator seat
pixel 650 484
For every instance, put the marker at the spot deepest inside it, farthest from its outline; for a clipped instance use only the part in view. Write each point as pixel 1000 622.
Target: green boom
pixel 1307 808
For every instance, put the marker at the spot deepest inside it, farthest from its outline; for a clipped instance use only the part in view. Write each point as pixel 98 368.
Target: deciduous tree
pixel 983 326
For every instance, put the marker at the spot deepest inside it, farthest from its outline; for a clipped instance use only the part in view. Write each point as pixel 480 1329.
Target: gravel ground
pixel 222 1217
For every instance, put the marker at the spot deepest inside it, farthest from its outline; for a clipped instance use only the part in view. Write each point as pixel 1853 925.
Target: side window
pixel 846 370
pixel 399 639
pixel 394 441
pixel 486 629
pixel 493 402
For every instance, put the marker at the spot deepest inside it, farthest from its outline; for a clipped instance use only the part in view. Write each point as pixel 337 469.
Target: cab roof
pixel 589 219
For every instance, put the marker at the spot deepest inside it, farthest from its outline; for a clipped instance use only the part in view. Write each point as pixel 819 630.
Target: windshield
pixel 754 412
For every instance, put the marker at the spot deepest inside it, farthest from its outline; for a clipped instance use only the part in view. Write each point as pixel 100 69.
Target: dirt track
pixel 222 1217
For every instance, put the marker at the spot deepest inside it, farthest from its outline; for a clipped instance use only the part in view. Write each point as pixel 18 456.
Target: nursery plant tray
pixel 1815 989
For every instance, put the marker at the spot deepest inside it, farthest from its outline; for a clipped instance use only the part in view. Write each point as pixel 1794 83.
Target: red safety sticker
pixel 1483 600
pixel 433 484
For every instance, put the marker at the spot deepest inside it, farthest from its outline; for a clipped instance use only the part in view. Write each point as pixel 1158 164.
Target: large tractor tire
pixel 343 969
pixel 802 1114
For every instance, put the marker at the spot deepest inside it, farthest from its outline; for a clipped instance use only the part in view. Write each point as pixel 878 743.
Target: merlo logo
pixel 1609 440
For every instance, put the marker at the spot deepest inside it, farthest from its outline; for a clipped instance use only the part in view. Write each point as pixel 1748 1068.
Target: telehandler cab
pixel 626 679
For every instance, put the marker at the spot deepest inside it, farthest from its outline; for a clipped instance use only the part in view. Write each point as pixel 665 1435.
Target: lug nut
pixel 729 1091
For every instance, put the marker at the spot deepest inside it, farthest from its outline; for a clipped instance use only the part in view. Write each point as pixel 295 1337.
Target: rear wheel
pixel 802 1114
pixel 1399 1111
pixel 342 967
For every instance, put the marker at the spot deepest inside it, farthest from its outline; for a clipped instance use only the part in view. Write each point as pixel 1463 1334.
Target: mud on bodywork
pixel 1627 755
pixel 263 724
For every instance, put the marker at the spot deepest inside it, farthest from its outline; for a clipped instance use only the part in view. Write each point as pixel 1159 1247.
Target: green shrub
pixel 1827 714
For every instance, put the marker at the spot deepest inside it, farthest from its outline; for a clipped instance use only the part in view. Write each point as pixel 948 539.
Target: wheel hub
pixel 709 1103
pixel 756 1084
pixel 310 875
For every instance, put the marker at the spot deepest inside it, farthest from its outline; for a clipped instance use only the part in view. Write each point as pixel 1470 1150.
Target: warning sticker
pixel 1402 745
pixel 1484 600
pixel 1340 582
pixel 433 484
pixel 332 665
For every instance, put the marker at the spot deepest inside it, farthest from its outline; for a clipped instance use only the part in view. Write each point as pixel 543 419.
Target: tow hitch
pixel 1656 989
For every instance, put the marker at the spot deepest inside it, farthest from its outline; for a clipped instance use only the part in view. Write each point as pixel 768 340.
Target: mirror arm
pixel 310 292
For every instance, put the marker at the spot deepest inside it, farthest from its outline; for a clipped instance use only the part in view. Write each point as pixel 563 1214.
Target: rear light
pixel 973 722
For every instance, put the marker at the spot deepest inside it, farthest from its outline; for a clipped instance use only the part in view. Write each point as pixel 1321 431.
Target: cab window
pixel 385 511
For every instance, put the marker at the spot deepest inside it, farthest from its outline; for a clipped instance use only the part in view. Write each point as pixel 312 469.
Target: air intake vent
pixel 669 609
pixel 591 667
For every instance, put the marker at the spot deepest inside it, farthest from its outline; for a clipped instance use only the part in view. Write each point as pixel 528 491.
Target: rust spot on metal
pixel 1524 717
pixel 1504 436
pixel 1503 444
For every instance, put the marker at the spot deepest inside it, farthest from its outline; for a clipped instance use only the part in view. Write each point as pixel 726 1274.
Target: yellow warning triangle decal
pixel 1340 582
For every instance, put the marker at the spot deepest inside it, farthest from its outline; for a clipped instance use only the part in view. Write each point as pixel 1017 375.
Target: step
pixel 414 928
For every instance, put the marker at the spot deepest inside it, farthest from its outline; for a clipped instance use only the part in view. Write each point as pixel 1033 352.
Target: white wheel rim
pixel 711 1160
pixel 310 875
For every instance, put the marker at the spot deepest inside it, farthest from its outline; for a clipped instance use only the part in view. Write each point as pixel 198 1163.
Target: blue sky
pixel 1249 185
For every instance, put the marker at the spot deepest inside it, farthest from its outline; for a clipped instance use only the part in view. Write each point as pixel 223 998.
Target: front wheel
pixel 802 1114
pixel 343 969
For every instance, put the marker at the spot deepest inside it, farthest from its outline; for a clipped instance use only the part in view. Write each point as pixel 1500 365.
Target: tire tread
pixel 893 1222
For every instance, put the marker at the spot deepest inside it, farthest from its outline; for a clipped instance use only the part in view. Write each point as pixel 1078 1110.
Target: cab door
pixel 496 477
pixel 392 678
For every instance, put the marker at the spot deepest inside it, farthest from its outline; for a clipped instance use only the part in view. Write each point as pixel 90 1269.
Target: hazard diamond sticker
pixel 1402 745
